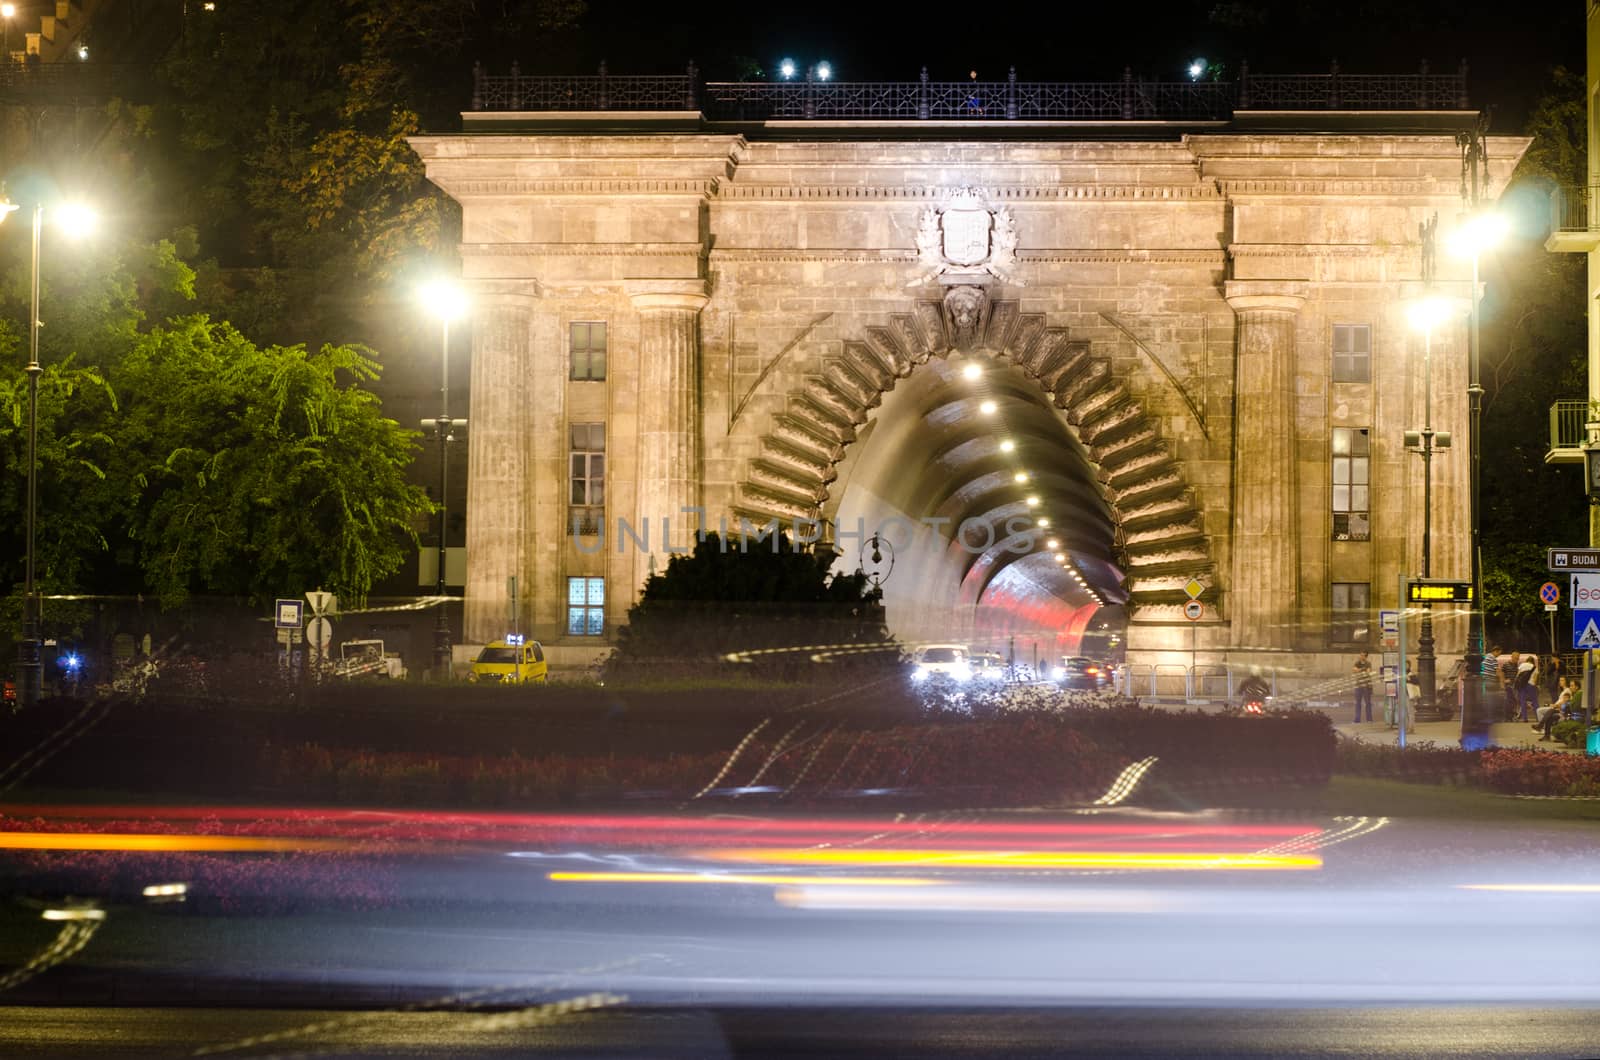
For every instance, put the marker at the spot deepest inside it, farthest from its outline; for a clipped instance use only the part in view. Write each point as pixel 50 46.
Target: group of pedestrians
pixel 1520 676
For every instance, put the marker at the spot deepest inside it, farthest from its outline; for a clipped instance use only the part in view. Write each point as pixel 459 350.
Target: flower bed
pixel 1509 771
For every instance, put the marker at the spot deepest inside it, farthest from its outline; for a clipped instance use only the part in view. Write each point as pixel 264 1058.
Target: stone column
pixel 499 489
pixel 1263 599
pixel 669 416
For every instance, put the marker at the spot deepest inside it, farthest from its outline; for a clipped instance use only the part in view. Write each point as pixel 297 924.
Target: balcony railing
pixel 1572 209
pixel 1129 99
pixel 1569 424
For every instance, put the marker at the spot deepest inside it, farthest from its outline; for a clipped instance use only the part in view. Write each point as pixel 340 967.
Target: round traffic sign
pixel 1550 593
pixel 319 631
pixel 1193 610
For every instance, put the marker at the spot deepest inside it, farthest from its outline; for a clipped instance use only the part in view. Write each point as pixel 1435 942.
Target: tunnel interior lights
pixel 988 408
pixel 1054 544
pixel 972 370
pixel 1020 476
pixel 1044 521
pixel 1007 445
pixel 1033 500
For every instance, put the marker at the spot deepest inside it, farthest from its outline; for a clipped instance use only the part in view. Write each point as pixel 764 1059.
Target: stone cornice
pixel 581 250
pixel 667 294
pixel 1281 296
pixel 1320 250
pixel 583 186
pixel 733 255
pixel 504 292
pixel 1325 186
pixel 1000 193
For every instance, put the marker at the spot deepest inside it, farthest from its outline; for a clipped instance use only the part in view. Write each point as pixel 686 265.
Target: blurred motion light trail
pixel 1022 859
pixel 135 842
pixel 697 877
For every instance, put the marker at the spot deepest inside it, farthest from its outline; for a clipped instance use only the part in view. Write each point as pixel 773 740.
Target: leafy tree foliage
pixel 1533 353
pixel 724 598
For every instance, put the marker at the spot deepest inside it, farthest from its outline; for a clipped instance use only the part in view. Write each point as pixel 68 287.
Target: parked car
pixel 1082 673
pixel 510 661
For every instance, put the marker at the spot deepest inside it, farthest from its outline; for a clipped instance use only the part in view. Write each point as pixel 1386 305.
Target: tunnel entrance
pixel 989 523
pixel 1008 490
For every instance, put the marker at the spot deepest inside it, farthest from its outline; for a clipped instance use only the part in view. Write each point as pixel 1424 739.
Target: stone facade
pixel 1157 320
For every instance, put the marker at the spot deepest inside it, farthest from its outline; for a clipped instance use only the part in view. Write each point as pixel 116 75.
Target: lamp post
pixel 8 12
pixel 1425 315
pixel 1478 231
pixel 75 220
pixel 447 302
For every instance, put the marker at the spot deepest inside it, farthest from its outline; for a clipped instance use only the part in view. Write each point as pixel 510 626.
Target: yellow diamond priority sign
pixel 1193 589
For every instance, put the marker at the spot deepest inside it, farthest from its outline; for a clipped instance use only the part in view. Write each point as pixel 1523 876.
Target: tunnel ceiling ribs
pixel 1160 536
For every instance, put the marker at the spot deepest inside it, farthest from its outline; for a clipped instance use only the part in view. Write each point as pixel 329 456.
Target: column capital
pixel 1283 296
pixel 667 294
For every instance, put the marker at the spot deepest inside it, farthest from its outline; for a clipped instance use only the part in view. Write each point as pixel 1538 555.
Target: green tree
pixel 722 598
pixel 260 468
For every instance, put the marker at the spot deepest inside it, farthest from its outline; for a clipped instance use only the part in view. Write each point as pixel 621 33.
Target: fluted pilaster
pixel 669 413
pixel 499 488
pixel 1264 595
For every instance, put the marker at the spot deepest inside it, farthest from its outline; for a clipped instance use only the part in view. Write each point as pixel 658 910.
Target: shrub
pixel 1571 732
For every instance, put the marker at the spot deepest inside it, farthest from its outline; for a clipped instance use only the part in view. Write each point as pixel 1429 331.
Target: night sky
pixel 1510 47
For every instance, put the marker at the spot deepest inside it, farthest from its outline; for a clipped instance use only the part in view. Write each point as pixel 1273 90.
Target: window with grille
pixel 1350 613
pixel 587 350
pixel 586 497
pixel 1351 484
pixel 1352 353
pixel 586 607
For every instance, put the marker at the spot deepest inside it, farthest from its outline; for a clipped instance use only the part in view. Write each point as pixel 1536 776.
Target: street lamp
pixel 74 220
pixel 8 12
pixel 1478 232
pixel 447 302
pixel 1424 316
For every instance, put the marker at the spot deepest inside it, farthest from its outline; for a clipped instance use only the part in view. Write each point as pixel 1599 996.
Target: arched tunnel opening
pixel 967 493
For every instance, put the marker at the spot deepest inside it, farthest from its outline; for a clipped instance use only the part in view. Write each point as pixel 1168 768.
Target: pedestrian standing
pixel 1509 665
pixel 1527 685
pixel 1361 673
pixel 1552 676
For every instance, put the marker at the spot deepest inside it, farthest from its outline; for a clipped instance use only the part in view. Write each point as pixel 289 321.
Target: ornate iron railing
pixel 1129 99
pixel 516 91
pixel 1573 209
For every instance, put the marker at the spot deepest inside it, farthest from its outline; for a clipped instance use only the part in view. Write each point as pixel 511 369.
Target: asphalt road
pixel 710 1034
pixel 1105 934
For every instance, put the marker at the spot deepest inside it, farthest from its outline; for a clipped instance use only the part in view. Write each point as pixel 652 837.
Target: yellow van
pixel 514 660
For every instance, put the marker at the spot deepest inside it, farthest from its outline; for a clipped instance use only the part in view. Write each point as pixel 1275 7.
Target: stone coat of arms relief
pixel 966 244
pixel 966 240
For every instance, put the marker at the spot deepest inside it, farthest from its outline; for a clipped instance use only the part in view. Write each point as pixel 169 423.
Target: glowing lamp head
pixel 76 220
pixel 786 69
pixel 1020 476
pixel 824 71
pixel 1044 521
pixel 1197 69
pixel 1478 233
pixel 988 408
pixel 7 10
pixel 1033 501
pixel 1053 544
pixel 972 370
pixel 1425 314
pixel 1007 445
pixel 443 299
pixel 83 52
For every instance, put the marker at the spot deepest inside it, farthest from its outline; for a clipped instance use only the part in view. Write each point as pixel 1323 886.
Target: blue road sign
pixel 1550 593
pixel 286 614
pixel 1585 630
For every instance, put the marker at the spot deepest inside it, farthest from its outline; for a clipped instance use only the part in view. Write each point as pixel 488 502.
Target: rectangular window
pixel 1352 353
pixel 1351 484
pixel 586 607
pixel 587 470
pixel 587 350
pixel 1351 611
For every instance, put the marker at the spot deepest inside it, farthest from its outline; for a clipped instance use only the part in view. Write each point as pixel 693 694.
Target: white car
pixel 949 662
pixel 987 666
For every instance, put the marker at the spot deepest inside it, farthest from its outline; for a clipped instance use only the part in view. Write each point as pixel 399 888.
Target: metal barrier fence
pixel 1176 683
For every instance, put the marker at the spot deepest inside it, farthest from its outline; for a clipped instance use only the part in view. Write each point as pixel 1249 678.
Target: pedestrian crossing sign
pixel 1585 630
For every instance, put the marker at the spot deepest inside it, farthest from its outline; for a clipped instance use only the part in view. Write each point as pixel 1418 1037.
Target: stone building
pixel 1066 365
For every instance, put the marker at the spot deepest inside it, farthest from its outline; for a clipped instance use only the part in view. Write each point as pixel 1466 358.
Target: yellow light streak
pixel 165 843
pixel 759 880
pixel 1022 859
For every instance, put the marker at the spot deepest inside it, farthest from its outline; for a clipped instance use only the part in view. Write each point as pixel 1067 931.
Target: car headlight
pixel 919 674
pixel 961 672
pixel 1059 672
